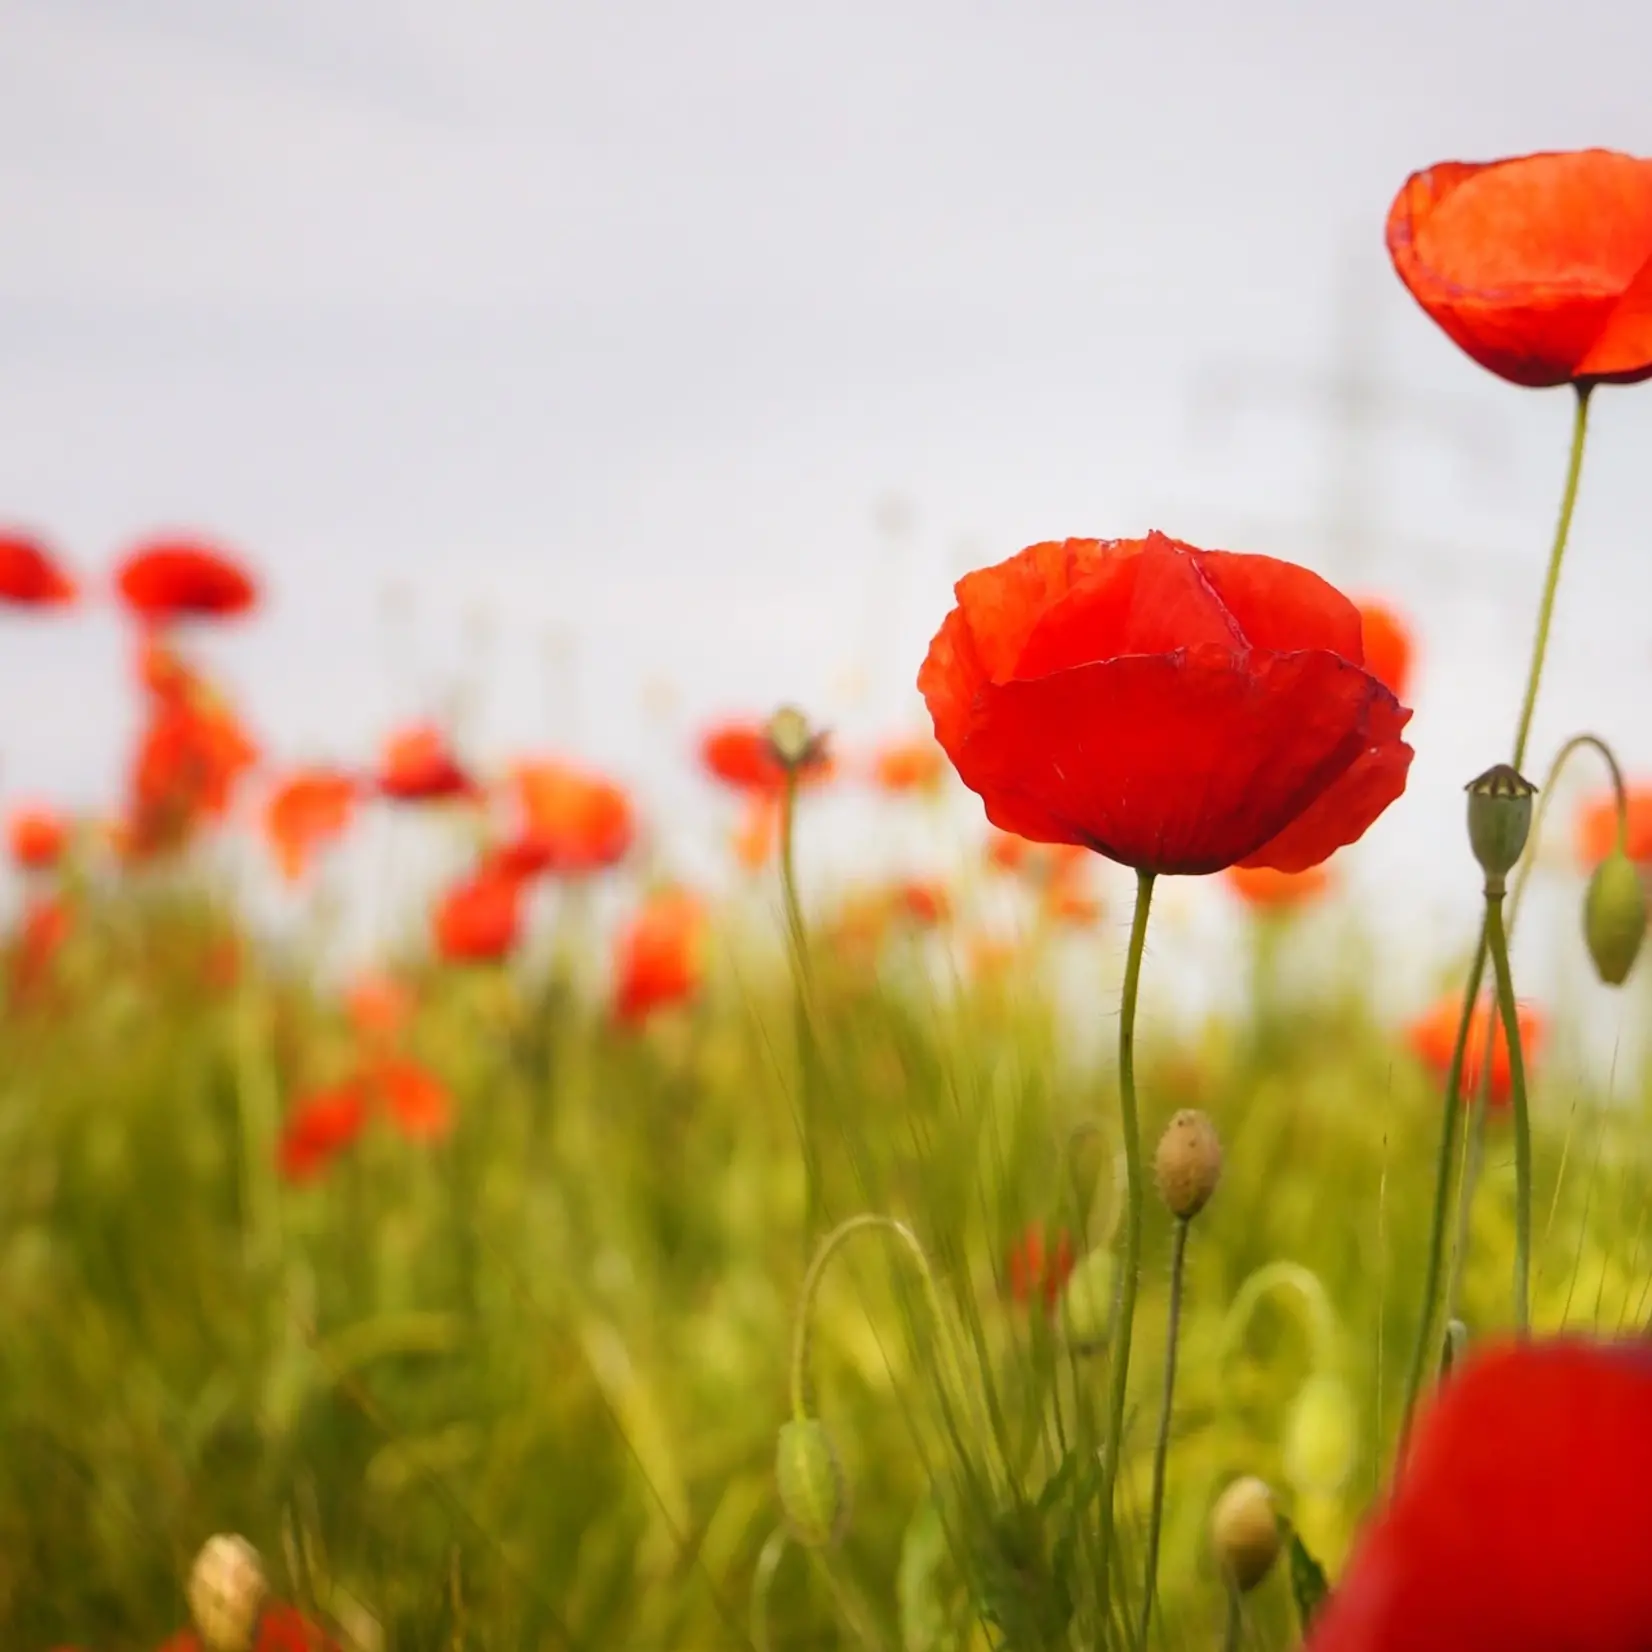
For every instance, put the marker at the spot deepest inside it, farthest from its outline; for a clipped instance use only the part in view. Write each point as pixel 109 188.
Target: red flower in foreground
pixel 917 765
pixel 1270 891
pixel 1597 827
pixel 739 755
pixel 480 919
pixel 1520 1519
pixel 572 823
pixel 419 1102
pixel 280 1629
pixel 1038 1269
pixel 319 1127
pixel 1389 650
pixel 36 838
pixel 303 813
pixel 169 579
pixel 658 956
pixel 1540 268
pixel 1176 710
pixel 419 767
pixel 1434 1033
pixel 30 577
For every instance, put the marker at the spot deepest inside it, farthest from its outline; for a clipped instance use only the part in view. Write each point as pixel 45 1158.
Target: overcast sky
pixel 600 333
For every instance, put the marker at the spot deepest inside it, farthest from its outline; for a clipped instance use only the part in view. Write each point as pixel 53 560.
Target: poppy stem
pixel 1235 1623
pixel 1161 1447
pixel 1124 1306
pixel 803 992
pixel 1522 1124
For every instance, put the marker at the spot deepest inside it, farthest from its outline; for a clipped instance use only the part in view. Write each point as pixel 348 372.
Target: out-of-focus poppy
pixel 280 1629
pixel 479 919
pixel 923 901
pixel 1067 900
pixel 915 765
pixel 1539 267
pixel 1176 710
pixel 1520 1516
pixel 572 822
pixel 1038 1267
pixel 303 813
pixel 1269 891
pixel 419 1103
pixel 658 957
pixel 180 578
pixel 1434 1033
pixel 758 832
pixel 319 1127
pixel 46 924
pixel 1043 862
pixel 30 576
pixel 419 767
pixel 1389 650
pixel 1597 827
pixel 991 957
pixel 739 754
pixel 379 1006
pixel 190 759
pixel 37 838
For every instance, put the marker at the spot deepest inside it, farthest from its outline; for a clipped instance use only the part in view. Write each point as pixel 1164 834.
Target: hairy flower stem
pixel 808 1053
pixel 1522 1124
pixel 1420 1358
pixel 1161 1447
pixel 1130 1262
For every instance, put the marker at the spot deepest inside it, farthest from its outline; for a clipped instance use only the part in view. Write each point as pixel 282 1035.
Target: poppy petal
pixel 1283 607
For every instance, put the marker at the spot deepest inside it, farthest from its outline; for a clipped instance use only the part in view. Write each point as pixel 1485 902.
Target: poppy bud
pixel 1320 1435
pixel 814 1491
pixel 1244 1532
pixel 791 740
pixel 1499 818
pixel 1456 1345
pixel 1087 1302
pixel 1614 917
pixel 1188 1163
pixel 226 1593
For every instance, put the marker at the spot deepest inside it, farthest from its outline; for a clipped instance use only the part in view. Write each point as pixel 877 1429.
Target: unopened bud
pixel 1456 1345
pixel 226 1593
pixel 1244 1532
pixel 1188 1163
pixel 1321 1435
pixel 814 1491
pixel 1087 1302
pixel 794 743
pixel 1614 917
pixel 1499 818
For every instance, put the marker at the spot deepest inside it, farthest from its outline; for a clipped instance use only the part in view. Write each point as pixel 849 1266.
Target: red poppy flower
pixel 740 756
pixel 923 902
pixel 917 765
pixel 319 1127
pixel 379 1007
pixel 419 767
pixel 190 759
pixel 1597 827
pixel 280 1629
pixel 419 1102
pixel 1271 891
pixel 1540 268
pixel 37 838
pixel 304 812
pixel 170 579
pixel 479 919
pixel 1174 709
pixel 658 956
pixel 1388 646
pixel 46 924
pixel 1040 1269
pixel 572 823
pixel 1067 899
pixel 1433 1034
pixel 755 837
pixel 30 577
pixel 1520 1518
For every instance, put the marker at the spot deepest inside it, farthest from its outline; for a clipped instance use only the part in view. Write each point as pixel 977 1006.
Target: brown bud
pixel 1188 1163
pixel 226 1593
pixel 1244 1532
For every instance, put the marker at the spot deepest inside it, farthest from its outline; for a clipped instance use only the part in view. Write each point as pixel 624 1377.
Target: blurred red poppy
pixel 1539 267
pixel 1520 1518
pixel 739 755
pixel 170 579
pixel 658 955
pixel 1270 891
pixel 30 577
pixel 1389 650
pixel 1434 1033
pixel 1174 709
pixel 1067 900
pixel 915 765
pixel 1038 1268
pixel 46 924
pixel 758 833
pixel 280 1629
pixel 419 767
pixel 479 919
pixel 303 813
pixel 320 1126
pixel 37 838
pixel 190 759
pixel 1597 827
pixel 379 1006
pixel 923 901
pixel 572 822
pixel 419 1103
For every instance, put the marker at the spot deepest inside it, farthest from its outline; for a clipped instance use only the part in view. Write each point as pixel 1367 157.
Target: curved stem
pixel 1130 1261
pixel 1620 795
pixel 1161 1446
pixel 1522 1124
pixel 1323 1327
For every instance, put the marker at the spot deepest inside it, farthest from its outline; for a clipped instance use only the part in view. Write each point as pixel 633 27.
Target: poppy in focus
pixel 572 823
pixel 1269 891
pixel 1389 651
pixel 1038 1268
pixel 916 765
pixel 1597 827
pixel 30 576
pixel 1173 709
pixel 479 919
pixel 319 1127
pixel 419 767
pixel 1538 267
pixel 172 579
pixel 1519 1519
pixel 305 812
pixel 658 957
pixel 36 838
pixel 1434 1033
pixel 739 755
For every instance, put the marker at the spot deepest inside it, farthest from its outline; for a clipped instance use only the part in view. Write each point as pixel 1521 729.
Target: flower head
pixel 1038 1267
pixel 1266 890
pixel 304 812
pixel 912 765
pixel 1597 827
pixel 30 576
pixel 419 767
pixel 742 755
pixel 479 919
pixel 573 823
pixel 318 1128
pixel 1433 1035
pixel 659 954
pixel 37 838
pixel 181 578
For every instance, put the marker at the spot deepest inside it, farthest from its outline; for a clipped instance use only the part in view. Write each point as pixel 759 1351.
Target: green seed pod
pixel 1244 1532
pixel 791 739
pixel 1321 1437
pixel 1087 1302
pixel 1614 917
pixel 1499 818
pixel 814 1491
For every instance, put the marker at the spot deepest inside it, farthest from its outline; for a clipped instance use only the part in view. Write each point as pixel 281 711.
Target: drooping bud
pixel 1244 1532
pixel 1087 1301
pixel 1499 818
pixel 793 742
pixel 1614 917
pixel 814 1491
pixel 1321 1436
pixel 1188 1163
pixel 226 1593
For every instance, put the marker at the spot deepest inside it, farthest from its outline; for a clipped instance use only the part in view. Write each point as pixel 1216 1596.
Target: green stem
pixel 1230 1635
pixel 1130 1263
pixel 1161 1447
pixel 1522 1123
pixel 803 1013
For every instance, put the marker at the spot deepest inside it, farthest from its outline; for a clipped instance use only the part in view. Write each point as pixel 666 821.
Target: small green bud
pixel 1087 1301
pixel 1499 818
pixel 1188 1163
pixel 1321 1436
pixel 1244 1532
pixel 1614 917
pixel 794 743
pixel 814 1491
